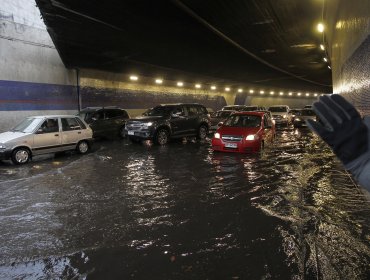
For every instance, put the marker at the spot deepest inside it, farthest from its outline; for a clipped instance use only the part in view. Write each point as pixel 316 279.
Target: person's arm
pixel 343 129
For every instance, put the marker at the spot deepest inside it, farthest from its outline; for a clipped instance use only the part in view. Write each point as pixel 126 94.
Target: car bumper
pixel 5 154
pixel 141 134
pixel 236 147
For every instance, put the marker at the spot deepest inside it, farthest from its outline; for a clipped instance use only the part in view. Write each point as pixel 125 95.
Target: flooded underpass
pixel 140 211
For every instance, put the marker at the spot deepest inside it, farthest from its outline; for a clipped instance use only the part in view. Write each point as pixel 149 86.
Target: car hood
pixel 228 130
pixel 10 135
pixel 146 118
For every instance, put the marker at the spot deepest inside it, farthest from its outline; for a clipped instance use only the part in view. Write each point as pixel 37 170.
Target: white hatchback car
pixel 45 134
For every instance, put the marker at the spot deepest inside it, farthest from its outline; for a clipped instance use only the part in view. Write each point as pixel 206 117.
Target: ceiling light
pixel 198 86
pixel 227 89
pixel 180 84
pixel 281 93
pixel 271 92
pixel 320 27
pixel 315 94
pixel 158 81
pixel 251 91
pixel 329 67
pixel 325 59
pixel 240 90
pixel 307 94
pixel 322 47
pixel 290 93
pixel 213 87
pixel 262 92
pixel 299 94
pixel 134 78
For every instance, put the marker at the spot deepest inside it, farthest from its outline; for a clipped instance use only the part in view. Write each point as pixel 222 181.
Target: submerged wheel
pixel 161 137
pixel 21 156
pixel 83 147
pixel 202 132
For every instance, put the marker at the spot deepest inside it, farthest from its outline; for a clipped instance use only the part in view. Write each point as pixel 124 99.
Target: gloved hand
pixel 342 128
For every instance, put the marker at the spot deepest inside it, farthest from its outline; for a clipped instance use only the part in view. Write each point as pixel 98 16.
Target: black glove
pixel 341 127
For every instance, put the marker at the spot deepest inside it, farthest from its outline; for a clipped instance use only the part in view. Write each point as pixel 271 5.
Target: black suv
pixel 105 121
pixel 163 122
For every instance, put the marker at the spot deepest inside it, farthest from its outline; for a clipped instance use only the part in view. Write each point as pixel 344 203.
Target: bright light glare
pixel 320 27
pixel 322 47
pixel 180 84
pixel 325 59
pixel 213 87
pixel 315 94
pixel 262 92
pixel 158 81
pixel 198 86
pixel 251 91
pixel 271 92
pixel 251 137
pixel 281 93
pixel 217 135
pixel 227 89
pixel 134 78
pixel 299 94
pixel 240 90
pixel 307 94
pixel 290 93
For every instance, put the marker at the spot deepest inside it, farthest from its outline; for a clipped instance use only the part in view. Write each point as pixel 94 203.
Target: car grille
pixel 133 125
pixel 232 138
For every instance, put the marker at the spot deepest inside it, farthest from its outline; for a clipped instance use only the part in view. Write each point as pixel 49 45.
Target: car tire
pixel 161 137
pixel 83 147
pixel 122 132
pixel 202 132
pixel 21 156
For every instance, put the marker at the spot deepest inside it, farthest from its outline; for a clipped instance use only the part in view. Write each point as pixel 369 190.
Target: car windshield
pixel 223 114
pixel 28 125
pixel 278 109
pixel 86 116
pixel 158 111
pixel 243 121
pixel 250 108
pixel 307 112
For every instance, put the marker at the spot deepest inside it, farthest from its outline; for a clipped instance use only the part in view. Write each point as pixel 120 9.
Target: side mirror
pixel 39 131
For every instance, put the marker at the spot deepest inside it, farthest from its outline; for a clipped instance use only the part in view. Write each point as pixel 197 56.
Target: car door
pixel 71 133
pixel 98 123
pixel 192 124
pixel 179 121
pixel 47 138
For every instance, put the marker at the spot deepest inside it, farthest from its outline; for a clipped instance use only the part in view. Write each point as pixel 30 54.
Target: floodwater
pixel 138 211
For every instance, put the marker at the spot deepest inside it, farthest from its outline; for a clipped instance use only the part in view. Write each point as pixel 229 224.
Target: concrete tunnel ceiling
pixel 261 42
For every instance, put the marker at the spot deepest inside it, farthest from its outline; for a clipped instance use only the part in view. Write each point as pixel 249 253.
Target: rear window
pixel 278 109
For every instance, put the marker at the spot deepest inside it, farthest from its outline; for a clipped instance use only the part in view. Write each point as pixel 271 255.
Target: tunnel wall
pixel 348 46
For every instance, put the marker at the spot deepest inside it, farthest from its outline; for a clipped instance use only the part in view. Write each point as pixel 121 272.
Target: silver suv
pixel 45 134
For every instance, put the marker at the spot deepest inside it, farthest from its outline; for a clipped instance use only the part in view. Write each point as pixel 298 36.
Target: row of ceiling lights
pixel 228 89
pixel 321 28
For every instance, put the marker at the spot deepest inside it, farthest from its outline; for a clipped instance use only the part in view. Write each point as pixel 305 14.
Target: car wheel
pixel 21 156
pixel 83 147
pixel 122 132
pixel 202 132
pixel 161 137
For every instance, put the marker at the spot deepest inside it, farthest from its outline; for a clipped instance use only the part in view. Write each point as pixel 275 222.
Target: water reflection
pixel 182 211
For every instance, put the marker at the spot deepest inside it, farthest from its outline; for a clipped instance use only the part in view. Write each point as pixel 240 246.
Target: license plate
pixel 231 145
pixel 131 132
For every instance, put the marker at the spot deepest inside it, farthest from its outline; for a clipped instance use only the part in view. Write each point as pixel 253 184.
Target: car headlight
pixel 284 116
pixel 298 119
pixel 217 135
pixel 2 147
pixel 148 124
pixel 251 137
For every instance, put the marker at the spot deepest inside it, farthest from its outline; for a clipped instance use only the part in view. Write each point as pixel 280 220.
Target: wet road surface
pixel 138 211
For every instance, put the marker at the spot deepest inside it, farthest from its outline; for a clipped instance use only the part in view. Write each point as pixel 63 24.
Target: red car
pixel 244 132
